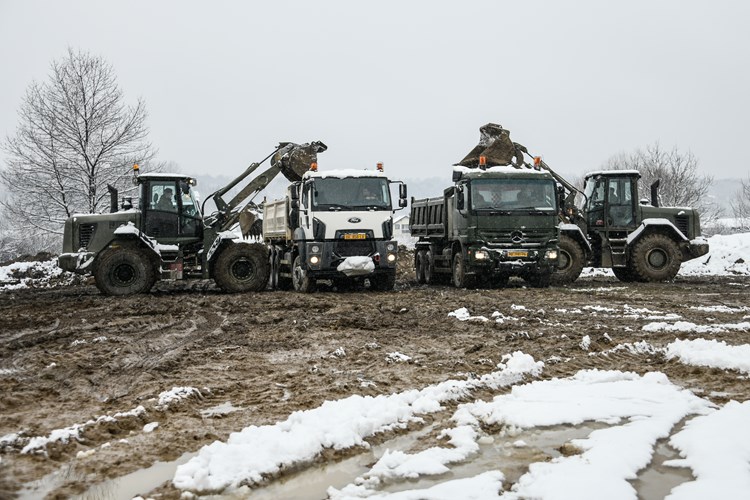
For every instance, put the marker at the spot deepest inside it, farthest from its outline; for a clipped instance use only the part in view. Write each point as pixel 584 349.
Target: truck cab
pixel 338 227
pixel 494 223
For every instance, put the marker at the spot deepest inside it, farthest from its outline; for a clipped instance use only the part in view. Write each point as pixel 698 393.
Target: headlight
pixel 314 259
pixel 315 249
pixel 551 254
pixel 391 257
pixel 481 255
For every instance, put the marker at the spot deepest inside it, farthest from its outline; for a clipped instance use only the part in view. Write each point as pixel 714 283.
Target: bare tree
pixel 741 205
pixel 680 183
pixel 75 136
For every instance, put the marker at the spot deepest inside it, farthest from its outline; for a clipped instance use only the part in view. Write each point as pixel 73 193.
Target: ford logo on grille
pixel 355 220
pixel 517 237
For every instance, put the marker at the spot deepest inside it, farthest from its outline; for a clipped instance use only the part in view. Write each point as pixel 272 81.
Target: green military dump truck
pixel 167 235
pixel 496 221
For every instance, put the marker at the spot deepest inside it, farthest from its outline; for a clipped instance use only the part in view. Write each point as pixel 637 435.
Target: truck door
pixel 595 202
pixel 191 221
pixel 620 203
pixel 161 216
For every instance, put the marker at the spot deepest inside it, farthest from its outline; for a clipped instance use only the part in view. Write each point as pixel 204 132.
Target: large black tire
pixel 655 257
pixel 419 263
pixel 570 261
pixel 624 274
pixel 243 267
pixel 303 283
pixel 273 280
pixel 460 278
pixel 283 282
pixel 429 268
pixel 124 271
pixel 383 282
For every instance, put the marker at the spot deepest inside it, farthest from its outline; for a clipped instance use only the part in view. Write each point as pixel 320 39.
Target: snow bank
pixel 640 409
pixel 701 352
pixel 688 327
pixel 728 255
pixel 612 456
pixel 257 452
pixel 717 448
pixel 37 274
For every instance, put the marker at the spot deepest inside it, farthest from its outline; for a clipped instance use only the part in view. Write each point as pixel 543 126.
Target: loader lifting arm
pixel 290 159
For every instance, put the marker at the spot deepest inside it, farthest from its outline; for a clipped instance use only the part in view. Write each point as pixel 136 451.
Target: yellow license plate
pixel 518 253
pixel 355 236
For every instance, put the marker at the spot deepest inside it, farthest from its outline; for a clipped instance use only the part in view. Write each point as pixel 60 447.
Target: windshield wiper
pixel 494 211
pixel 337 207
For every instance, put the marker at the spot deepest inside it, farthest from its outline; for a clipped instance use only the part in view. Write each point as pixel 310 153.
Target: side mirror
pixel 294 192
pixel 402 191
pixel 295 203
pixel 457 175
pixel 459 198
pixel 185 187
pixel 402 203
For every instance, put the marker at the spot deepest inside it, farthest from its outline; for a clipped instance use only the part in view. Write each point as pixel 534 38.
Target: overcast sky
pixel 406 82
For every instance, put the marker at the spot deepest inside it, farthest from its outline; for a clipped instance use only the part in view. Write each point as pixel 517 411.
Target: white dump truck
pixel 333 225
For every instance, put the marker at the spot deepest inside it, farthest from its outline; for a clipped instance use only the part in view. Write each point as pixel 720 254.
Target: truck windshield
pixel 513 194
pixel 350 193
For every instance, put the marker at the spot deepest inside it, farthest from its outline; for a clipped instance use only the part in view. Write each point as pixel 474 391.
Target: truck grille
pixel 85 233
pixel 514 236
pixel 352 248
pixel 682 222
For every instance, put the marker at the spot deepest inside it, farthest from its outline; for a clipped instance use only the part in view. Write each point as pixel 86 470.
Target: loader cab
pixel 171 213
pixel 611 200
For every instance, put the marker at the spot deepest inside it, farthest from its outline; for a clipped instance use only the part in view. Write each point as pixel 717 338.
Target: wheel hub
pixel 657 258
pixel 124 274
pixel 242 269
pixel 563 260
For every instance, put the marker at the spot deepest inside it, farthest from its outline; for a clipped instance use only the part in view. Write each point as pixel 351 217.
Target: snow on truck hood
pixel 343 173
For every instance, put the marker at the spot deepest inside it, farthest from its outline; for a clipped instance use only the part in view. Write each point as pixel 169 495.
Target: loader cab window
pixel 161 219
pixel 172 211
pixel 620 202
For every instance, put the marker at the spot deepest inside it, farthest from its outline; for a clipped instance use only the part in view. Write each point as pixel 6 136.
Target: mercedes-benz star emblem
pixel 517 237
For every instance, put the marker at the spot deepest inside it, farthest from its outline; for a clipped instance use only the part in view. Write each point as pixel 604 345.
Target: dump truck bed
pixel 276 221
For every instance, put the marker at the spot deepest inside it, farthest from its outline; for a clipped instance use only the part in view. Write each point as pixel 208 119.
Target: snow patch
pixel 712 353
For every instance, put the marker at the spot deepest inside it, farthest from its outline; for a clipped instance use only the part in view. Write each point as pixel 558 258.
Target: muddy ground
pixel 70 355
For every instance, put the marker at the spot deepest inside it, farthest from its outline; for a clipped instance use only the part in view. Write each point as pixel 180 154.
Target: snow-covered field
pixel 610 423
pixel 637 410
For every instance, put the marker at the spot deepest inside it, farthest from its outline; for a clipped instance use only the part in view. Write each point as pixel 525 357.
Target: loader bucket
pixel 494 144
pixel 295 159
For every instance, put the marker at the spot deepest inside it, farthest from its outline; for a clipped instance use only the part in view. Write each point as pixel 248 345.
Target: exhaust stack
pixel 655 193
pixel 112 198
